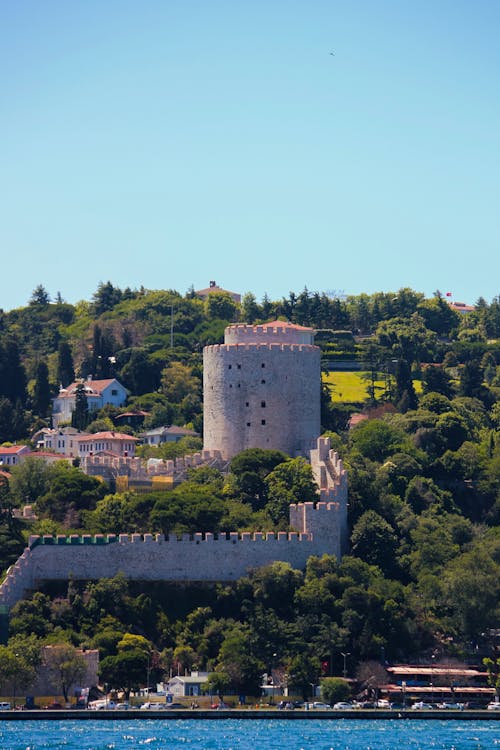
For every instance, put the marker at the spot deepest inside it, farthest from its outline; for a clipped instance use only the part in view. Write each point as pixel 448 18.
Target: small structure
pixel 98 393
pixel 171 434
pixel 187 685
pixel 213 288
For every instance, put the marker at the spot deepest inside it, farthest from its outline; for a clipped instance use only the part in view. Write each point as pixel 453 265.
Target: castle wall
pixel 261 396
pixel 204 557
pixel 318 529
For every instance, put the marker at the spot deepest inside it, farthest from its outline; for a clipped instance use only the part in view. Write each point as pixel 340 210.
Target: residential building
pixel 62 440
pixel 98 393
pixel 12 455
pixel 213 288
pixel 118 443
pixel 170 434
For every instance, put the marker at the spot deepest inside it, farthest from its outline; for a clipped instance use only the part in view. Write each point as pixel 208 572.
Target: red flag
pixel 448 294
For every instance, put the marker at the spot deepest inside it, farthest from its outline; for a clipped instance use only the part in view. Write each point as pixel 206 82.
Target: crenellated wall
pixel 318 528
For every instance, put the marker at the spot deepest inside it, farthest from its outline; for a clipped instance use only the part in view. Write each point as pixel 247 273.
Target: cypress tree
pixel 80 415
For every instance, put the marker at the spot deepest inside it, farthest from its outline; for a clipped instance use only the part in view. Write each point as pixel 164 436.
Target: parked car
pixel 101 705
pixel 343 706
pixel 493 706
pixel 450 706
pixel 122 706
pixel 172 706
pixel 382 703
pixel 421 706
pixel 319 706
pixel 4 706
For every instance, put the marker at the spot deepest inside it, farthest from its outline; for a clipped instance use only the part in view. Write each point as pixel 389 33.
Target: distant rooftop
pixel 214 288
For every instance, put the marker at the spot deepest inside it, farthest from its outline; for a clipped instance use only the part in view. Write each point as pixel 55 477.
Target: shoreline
pixel 246 714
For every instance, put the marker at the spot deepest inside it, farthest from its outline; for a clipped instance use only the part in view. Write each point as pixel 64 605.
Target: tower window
pixel 239 367
pixel 247 403
pixel 262 381
pixel 263 364
pixel 229 367
pixel 263 421
pixel 248 424
pixel 263 404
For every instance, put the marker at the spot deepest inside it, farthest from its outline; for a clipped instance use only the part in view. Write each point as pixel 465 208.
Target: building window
pixel 114 392
pixel 263 364
pixel 248 424
pixel 239 367
pixel 229 367
pixel 247 403
pixel 263 421
pixel 263 404
pixel 262 381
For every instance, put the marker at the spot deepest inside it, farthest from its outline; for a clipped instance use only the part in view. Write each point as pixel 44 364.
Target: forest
pixel 421 578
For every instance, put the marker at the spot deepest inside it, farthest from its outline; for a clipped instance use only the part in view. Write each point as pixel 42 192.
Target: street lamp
pixel 345 655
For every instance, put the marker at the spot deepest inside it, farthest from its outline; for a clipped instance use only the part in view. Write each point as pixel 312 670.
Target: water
pixel 250 735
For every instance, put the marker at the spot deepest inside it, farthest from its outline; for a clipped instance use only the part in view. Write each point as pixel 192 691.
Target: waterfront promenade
pixel 247 713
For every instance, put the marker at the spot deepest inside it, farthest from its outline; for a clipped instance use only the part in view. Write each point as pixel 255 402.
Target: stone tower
pixel 262 389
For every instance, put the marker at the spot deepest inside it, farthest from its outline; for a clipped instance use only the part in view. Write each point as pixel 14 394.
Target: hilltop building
pixel 213 288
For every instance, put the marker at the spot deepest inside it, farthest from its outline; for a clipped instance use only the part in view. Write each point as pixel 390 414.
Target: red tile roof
pixel 106 436
pixel 11 450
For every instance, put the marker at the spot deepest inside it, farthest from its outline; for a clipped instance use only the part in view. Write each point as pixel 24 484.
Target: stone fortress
pixel 261 389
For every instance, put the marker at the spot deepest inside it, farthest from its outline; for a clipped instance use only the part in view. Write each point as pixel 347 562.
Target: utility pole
pixel 345 655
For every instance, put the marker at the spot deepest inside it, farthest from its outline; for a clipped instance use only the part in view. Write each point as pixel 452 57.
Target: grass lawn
pixel 351 387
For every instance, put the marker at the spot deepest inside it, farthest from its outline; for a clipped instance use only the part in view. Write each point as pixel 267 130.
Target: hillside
pixel 422 575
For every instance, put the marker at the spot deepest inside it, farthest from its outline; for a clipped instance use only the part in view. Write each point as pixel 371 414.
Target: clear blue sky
pixel 166 143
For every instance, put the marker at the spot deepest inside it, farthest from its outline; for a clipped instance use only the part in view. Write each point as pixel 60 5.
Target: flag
pixel 448 294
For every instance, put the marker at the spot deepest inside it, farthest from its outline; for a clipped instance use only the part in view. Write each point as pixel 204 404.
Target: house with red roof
pixel 12 455
pixel 116 443
pixel 213 288
pixel 98 393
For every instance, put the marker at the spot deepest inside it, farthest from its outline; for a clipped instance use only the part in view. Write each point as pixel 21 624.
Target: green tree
pixel 42 392
pixel 178 381
pixel 375 541
pixel 39 296
pixel 221 305
pixel 80 415
pixel 334 689
pixel 15 671
pixel 65 666
pixel 304 672
pixel 30 480
pixel 290 482
pixel 65 368
pixel 70 491
pixel 237 660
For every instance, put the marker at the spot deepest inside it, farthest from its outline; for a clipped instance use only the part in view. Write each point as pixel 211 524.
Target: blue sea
pixel 233 734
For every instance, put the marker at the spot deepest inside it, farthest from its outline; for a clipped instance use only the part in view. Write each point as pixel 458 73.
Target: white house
pixel 98 393
pixel 13 454
pixel 62 440
pixel 111 442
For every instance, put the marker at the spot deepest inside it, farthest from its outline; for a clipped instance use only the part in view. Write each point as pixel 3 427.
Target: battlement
pixel 200 536
pixel 260 347
pixel 276 330
pixel 318 528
